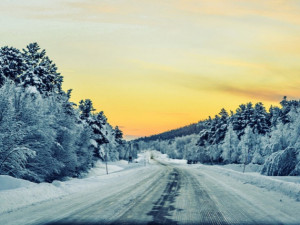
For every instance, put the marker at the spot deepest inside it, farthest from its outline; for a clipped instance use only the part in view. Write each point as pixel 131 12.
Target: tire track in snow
pixel 163 208
pixel 194 205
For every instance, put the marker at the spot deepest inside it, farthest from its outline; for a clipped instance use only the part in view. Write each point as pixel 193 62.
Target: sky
pixel 152 66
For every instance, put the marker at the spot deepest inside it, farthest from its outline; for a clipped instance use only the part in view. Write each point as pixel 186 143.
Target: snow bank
pixel 164 157
pixel 284 185
pixel 8 182
pixel 240 167
pixel 17 193
pixel 100 169
pixel 29 194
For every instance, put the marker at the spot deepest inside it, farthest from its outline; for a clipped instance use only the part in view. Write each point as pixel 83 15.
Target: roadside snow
pixel 240 167
pixel 284 185
pixel 8 182
pixel 164 157
pixel 17 193
pixel 287 185
pixel 100 168
pixel 295 179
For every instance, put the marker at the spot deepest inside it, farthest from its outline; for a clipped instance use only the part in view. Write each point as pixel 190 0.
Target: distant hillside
pixel 194 128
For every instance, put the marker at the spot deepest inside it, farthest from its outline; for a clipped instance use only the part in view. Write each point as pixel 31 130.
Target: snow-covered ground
pixel 287 185
pixel 16 193
pixel 281 192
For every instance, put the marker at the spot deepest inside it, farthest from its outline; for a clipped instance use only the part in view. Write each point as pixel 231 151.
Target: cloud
pixel 30 7
pixel 253 79
pixel 280 10
pixel 152 12
pixel 97 7
pixel 241 63
pixel 259 93
pixel 124 12
pixel 68 10
pixel 251 90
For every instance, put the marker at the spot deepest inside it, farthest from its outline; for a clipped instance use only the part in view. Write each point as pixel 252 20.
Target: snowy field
pixel 17 193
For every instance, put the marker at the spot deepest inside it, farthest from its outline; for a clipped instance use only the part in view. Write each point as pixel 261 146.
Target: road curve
pixel 170 194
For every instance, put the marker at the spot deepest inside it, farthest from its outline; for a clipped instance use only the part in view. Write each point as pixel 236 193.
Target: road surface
pixel 166 194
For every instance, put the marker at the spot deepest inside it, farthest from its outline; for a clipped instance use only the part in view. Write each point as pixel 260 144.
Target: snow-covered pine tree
pixel 40 71
pixel 118 135
pixel 86 109
pixel 12 64
pixel 242 118
pixel 97 124
pixel 261 124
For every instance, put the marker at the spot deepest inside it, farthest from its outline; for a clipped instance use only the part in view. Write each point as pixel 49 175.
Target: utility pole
pixel 130 152
pixel 106 161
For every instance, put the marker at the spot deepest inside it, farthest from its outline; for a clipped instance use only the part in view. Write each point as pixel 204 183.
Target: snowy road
pixel 164 193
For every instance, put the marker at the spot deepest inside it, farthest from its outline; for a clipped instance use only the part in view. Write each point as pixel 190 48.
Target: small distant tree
pixel 260 121
pixel 86 109
pixel 247 145
pixel 230 146
pixel 118 135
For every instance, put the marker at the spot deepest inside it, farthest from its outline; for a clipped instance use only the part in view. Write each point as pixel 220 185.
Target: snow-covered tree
pixel 13 154
pixel 40 71
pixel 14 162
pixel 43 136
pixel 118 135
pixel 230 152
pixel 86 109
pixel 260 120
pixel 12 64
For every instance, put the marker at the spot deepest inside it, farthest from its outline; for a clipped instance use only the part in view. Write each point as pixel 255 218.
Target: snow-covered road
pixel 164 193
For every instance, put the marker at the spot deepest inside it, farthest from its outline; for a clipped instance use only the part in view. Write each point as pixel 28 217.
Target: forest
pixel 251 134
pixel 43 135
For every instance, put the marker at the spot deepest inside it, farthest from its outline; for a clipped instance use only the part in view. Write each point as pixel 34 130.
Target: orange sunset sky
pixel 157 65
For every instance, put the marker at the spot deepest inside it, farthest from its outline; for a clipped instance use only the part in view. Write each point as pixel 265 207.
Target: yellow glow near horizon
pixel 153 66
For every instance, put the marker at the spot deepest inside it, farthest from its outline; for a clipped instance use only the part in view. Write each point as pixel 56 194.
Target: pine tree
pixel 273 116
pixel 118 135
pixel 97 124
pixel 40 71
pixel 12 64
pixel 86 109
pixel 260 120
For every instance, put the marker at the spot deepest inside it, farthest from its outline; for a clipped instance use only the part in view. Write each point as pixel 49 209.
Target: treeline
pixel 43 135
pixel 194 128
pixel 248 135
